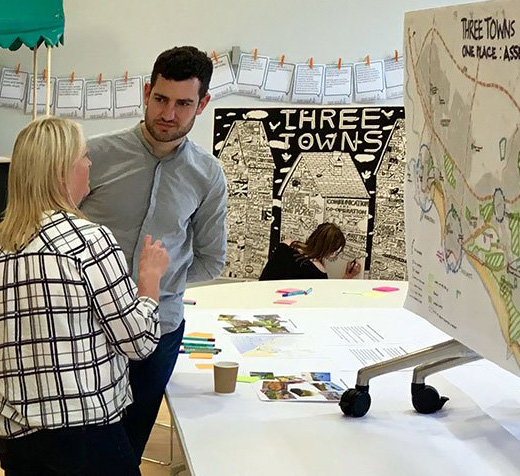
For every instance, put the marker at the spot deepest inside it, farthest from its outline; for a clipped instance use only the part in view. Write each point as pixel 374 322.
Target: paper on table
pixel 288 346
pixel 285 301
pixel 359 334
pixel 204 366
pixel 199 334
pixel 247 323
pixel 365 340
pixel 274 390
pixel 366 356
pixel 373 294
pixel 385 289
pixel 246 379
pixel 200 356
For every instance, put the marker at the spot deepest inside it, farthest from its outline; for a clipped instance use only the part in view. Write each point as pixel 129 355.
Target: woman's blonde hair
pixel 43 156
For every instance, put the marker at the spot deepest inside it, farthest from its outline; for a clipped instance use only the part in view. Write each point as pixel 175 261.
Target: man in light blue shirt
pixel 152 180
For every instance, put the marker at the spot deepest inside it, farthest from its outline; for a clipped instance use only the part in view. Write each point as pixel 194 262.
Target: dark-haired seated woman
pixel 298 260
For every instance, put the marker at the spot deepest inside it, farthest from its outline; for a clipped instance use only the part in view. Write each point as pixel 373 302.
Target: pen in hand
pixel 352 269
pixel 352 265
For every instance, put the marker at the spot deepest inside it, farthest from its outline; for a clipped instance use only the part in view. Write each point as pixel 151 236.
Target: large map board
pixel 462 205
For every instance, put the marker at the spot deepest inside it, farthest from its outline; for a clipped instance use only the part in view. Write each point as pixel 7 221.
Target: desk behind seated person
pixel 298 260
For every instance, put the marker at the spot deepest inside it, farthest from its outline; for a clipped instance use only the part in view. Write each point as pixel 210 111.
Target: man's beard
pixel 168 136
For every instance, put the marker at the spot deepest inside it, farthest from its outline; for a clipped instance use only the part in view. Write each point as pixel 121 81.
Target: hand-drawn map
pixel 290 169
pixel 462 93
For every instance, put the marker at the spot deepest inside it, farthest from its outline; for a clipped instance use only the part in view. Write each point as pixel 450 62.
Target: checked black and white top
pixel 70 319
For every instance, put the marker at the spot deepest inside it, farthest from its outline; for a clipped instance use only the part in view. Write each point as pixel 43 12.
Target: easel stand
pixel 356 401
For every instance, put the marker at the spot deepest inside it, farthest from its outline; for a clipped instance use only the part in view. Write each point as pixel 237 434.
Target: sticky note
pixel 246 379
pixel 200 334
pixel 201 356
pixel 372 294
pixel 288 290
pixel 385 289
pixel 284 301
pixel 204 366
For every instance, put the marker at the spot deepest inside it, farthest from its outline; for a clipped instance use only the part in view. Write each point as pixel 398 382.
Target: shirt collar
pixel 139 133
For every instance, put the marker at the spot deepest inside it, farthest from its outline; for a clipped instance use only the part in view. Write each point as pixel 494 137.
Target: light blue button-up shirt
pixel 180 199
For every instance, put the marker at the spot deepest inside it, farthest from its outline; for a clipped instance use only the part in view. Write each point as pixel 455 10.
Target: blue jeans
pixel 148 379
pixel 93 450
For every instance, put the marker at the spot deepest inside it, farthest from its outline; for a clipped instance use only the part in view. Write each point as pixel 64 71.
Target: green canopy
pixel 31 23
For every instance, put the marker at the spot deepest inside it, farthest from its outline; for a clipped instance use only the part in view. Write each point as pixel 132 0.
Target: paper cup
pixel 225 376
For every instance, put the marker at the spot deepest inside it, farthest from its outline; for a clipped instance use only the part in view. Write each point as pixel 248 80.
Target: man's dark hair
pixel 181 63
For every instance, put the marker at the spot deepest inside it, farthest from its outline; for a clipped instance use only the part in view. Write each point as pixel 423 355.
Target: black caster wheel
pixel 426 399
pixel 355 402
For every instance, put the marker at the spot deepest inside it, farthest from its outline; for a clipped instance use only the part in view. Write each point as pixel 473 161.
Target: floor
pixel 158 448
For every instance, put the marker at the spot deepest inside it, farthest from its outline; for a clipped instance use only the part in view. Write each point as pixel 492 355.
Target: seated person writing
pixel 70 316
pixel 297 260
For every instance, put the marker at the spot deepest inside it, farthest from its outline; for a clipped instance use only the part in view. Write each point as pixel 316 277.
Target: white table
pixel 475 434
pixel 326 293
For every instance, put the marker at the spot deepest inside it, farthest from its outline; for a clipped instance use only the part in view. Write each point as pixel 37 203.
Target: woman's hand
pixel 153 263
pixel 352 270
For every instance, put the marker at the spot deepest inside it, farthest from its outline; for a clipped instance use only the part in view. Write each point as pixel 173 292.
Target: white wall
pixel 112 37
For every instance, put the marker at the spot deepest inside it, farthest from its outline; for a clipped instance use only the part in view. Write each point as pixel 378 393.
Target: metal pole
pixel 35 79
pixel 48 83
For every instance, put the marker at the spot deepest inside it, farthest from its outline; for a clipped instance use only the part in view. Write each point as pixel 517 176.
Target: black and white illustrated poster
pixel 290 169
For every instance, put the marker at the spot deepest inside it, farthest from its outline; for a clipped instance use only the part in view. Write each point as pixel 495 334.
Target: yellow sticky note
pixel 204 366
pixel 201 356
pixel 200 334
pixel 373 294
pixel 246 379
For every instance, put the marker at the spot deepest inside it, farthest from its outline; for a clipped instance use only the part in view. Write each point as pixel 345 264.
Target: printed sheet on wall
pixel 290 169
pixel 462 78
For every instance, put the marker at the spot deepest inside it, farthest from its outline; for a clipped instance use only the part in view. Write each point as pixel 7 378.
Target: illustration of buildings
pixel 388 245
pixel 325 187
pixel 248 164
pixel 285 179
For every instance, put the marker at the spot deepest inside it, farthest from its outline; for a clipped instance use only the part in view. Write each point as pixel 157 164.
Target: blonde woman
pixel 70 316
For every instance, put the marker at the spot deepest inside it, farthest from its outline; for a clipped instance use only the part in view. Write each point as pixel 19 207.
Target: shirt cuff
pixel 151 303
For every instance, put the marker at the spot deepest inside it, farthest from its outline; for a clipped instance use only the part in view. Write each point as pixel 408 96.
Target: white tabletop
pixel 326 293
pixel 475 434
